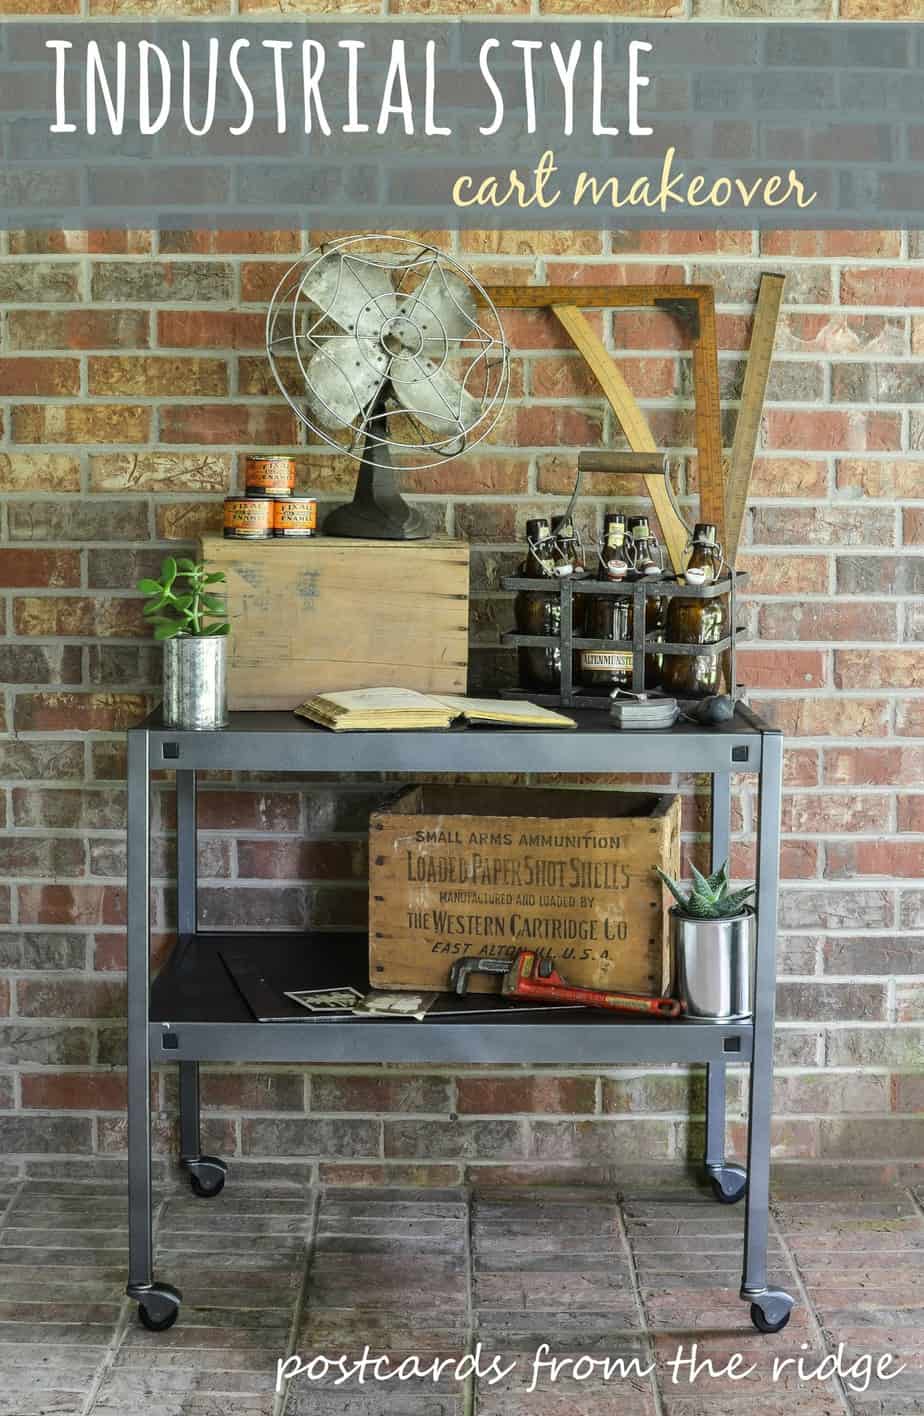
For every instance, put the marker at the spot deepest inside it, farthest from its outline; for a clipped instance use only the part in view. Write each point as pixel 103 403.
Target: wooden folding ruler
pixel 747 427
pixel 694 305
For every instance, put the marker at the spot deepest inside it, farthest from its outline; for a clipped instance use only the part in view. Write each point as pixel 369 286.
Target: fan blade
pixel 438 400
pixel 341 287
pixel 443 306
pixel 341 378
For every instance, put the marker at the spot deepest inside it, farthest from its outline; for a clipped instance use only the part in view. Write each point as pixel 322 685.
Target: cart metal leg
pixel 770 1307
pixel 206 1172
pixel 158 1303
pixel 728 1181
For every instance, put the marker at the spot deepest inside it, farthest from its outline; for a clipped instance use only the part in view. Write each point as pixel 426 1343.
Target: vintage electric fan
pixel 381 345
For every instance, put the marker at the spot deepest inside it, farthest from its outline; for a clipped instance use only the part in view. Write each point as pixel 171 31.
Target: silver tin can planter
pixel 712 965
pixel 195 679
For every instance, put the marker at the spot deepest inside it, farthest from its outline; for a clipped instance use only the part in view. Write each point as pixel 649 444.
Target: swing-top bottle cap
pixel 638 525
pixel 537 529
pixel 704 532
pixel 562 526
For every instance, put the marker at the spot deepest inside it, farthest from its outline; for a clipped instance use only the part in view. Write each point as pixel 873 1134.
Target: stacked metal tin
pixel 269 509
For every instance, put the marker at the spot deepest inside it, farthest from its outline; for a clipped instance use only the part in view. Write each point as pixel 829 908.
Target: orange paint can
pixel 294 517
pixel 248 518
pixel 269 476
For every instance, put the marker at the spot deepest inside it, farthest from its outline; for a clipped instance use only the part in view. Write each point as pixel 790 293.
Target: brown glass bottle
pixel 694 621
pixel 536 612
pixel 609 617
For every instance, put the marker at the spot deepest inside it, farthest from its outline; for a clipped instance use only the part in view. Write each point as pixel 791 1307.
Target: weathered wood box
pixel 488 871
pixel 331 613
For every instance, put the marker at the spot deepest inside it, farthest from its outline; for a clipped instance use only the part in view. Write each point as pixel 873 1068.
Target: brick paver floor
pixel 442 1280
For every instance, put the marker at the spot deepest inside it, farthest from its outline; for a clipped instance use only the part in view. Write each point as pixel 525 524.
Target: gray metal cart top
pixel 195 1014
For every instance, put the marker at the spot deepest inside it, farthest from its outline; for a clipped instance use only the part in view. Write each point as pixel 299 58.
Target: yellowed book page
pixel 494 710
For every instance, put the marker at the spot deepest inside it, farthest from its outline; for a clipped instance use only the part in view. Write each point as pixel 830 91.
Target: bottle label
pixel 607 660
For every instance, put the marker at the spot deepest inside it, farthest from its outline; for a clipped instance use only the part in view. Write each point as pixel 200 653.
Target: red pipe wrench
pixel 535 978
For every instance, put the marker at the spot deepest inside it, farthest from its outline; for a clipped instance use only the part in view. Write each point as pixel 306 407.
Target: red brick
pixel 71 904
pixel 260 278
pixel 879 668
pixel 798 860
pixel 883 285
pixel 78 329
pixel 56 570
pixel 84 712
pixel 242 811
pixel 839 332
pixel 80 423
pixel 911 813
pixel 913 526
pixel 846 859
pixel 833 430
pixel 74 1091
pixel 39 378
pixel 827 717
pixel 187 521
pixel 210 329
pixel 301 860
pixel 51 242
pixel 683 243
pixel 253 1091
pixel 878 245
pixel 874 766
pixel 253 424
pixel 78 615
pixel 800 767
pixel 563 377
pixel 611 273
pixel 39 472
pixel 4 997
pixel 401 1093
pixel 836 813
pixel 540 1094
pixel 153 376
pixel 467 476
pixel 785 574
pixel 782 668
pixel 789 477
pixel 891 478
pixel 827 620
pixel 229 243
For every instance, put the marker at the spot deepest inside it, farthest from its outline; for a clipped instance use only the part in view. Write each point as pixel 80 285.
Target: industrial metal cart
pixel 195 1014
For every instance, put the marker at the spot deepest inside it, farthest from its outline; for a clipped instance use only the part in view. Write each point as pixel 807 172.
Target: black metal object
pixel 378 511
pixel 641 643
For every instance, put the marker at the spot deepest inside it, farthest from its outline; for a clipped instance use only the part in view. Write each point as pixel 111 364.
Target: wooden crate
pixel 471 870
pixel 331 613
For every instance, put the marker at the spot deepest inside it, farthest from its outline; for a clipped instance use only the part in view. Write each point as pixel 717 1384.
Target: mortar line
pixel 639 1302
pixel 806 1301
pixel 280 1399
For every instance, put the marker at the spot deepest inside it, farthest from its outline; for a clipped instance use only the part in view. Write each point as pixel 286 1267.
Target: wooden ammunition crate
pixel 488 871
pixel 332 613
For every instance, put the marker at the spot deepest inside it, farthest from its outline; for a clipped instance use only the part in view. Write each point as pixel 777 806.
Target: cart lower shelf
pixel 198 1014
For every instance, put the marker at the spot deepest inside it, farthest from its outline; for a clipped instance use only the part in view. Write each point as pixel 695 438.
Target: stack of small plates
pixel 643 713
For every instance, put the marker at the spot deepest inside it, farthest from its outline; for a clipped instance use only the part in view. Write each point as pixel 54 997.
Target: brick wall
pixel 131 382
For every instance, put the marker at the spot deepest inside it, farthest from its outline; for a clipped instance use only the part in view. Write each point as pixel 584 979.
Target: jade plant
pixel 709 897
pixel 181 603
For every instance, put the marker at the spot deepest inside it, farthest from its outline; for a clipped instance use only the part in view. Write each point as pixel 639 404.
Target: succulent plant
pixel 710 897
pixel 193 610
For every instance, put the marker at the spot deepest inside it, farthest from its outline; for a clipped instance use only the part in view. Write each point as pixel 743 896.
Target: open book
pixel 380 709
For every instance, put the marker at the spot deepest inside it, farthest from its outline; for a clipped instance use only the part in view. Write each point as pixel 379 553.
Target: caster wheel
pixel 158 1306
pixel 729 1184
pixel 764 1324
pixel 207 1177
pixel 155 1324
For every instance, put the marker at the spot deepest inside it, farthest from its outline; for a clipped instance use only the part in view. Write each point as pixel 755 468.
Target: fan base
pixel 376 523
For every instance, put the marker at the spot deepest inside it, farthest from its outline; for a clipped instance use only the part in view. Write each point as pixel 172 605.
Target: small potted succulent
pixel 191 621
pixel 712 944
